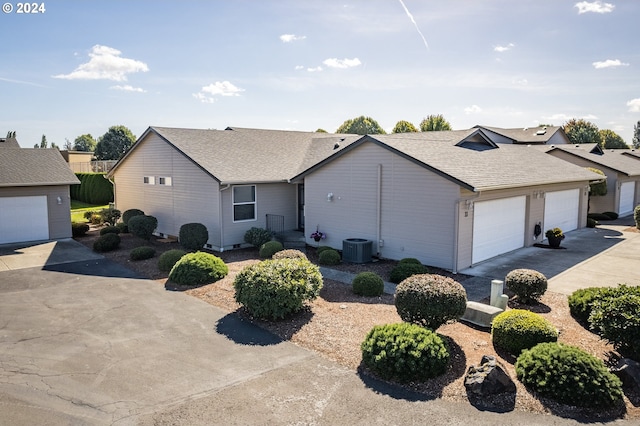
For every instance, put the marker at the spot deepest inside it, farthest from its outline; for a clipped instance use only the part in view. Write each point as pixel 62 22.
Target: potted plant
pixel 317 235
pixel 555 236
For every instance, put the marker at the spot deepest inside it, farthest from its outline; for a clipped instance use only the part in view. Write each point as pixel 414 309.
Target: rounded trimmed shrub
pixel 198 268
pixel 268 249
pixel 404 352
pixel 568 375
pixel 617 320
pixel 368 284
pixel 581 302
pixel 289 254
pixel 409 260
pixel 193 236
pixel 430 300
pixel 79 229
pixel 591 223
pixel 636 216
pixel 519 329
pixel 273 289
pixel 329 257
pixel 402 271
pixel 110 215
pixel 142 226
pixel 142 253
pixel 320 249
pixel 257 236
pixel 111 229
pixel 612 215
pixel 598 216
pixel 124 229
pixel 527 284
pixel 128 214
pixel 169 258
pixel 107 242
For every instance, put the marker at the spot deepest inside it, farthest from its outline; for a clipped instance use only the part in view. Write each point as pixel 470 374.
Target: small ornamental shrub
pixel 430 300
pixel 268 249
pixel 568 375
pixel 110 215
pixel 527 284
pixel 88 214
pixel 273 289
pixel 79 229
pixel 403 271
pixel 106 242
pixel 193 236
pixel 289 254
pixel 599 187
pixel 169 258
pixel 409 260
pixel 198 268
pixel 142 253
pixel 329 257
pixel 591 223
pixel 257 236
pixel 404 352
pixel 110 230
pixel 581 302
pixel 518 329
pixel 617 320
pixel 368 284
pixel 96 219
pixel 636 216
pixel 598 216
pixel 142 226
pixel 128 214
pixel 124 229
pixel 612 215
pixel 323 248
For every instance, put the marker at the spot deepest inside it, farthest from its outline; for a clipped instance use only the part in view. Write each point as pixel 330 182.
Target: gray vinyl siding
pixel 416 212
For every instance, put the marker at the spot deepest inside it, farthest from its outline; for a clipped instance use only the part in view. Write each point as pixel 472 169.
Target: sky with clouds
pixel 80 67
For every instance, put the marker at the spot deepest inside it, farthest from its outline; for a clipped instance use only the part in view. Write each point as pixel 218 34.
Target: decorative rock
pixel 488 378
pixel 629 372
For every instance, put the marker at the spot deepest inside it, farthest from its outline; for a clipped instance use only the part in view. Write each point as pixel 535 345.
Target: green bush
pixel 257 236
pixel 409 260
pixel 169 258
pixel 193 236
pixel 89 213
pixel 93 189
pixel 591 223
pixel 598 216
pixel 430 300
pixel 142 253
pixel 581 301
pixel 289 254
pixel 612 215
pixel 527 284
pixel 107 242
pixel 636 216
pixel 329 257
pixel 273 289
pixel 128 214
pixel 198 268
pixel 79 229
pixel 568 375
pixel 368 284
pixel 110 215
pixel 110 230
pixel 518 329
pixel 404 352
pixel 142 226
pixel 268 249
pixel 617 320
pixel 403 271
pixel 320 249
pixel 124 229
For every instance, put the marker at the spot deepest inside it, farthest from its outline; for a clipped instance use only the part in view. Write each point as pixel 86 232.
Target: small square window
pixel 149 180
pixel 164 181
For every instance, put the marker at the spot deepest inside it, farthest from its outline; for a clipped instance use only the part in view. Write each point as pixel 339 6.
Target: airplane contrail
pixel 414 24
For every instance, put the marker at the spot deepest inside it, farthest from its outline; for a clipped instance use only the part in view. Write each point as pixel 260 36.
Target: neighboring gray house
pixel 544 135
pixel 34 194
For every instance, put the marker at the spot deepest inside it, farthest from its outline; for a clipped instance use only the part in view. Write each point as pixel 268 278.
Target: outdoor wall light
pixel 330 197
pixel 59 200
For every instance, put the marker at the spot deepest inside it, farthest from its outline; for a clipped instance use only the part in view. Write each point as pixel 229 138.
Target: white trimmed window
pixel 165 180
pixel 244 203
pixel 149 180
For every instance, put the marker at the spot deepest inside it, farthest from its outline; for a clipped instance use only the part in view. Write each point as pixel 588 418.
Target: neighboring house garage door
pixel 561 210
pixel 627 191
pixel 498 227
pixel 23 219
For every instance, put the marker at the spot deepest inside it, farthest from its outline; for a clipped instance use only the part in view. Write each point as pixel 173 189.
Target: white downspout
pixel 456 230
pixel 379 210
pixel 220 217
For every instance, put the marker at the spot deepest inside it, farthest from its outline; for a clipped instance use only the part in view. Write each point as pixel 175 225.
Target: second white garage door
pixel 23 219
pixel 498 227
pixel 561 210
pixel 627 192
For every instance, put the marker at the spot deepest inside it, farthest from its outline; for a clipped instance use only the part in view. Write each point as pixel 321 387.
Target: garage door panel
pixel 562 209
pixel 23 219
pixel 627 192
pixel 498 227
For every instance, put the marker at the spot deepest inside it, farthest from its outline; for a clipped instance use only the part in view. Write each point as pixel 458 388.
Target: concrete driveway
pixel 83 341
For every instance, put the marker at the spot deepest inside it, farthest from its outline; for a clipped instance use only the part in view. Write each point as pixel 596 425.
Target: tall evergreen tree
pixel 636 135
pixel 113 144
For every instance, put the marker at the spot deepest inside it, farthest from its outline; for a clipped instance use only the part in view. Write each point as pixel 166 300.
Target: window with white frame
pixel 149 180
pixel 164 180
pixel 244 203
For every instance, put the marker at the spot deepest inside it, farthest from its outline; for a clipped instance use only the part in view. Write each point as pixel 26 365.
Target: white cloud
pixel 556 117
pixel 316 69
pixel 220 88
pixel 342 63
pixel 594 6
pixel 501 49
pixel 288 38
pixel 105 64
pixel 473 109
pixel 128 88
pixel 634 105
pixel 609 63
pixel 299 67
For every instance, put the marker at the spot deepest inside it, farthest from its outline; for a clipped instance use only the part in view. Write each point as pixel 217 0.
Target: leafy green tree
pixel 403 126
pixel 361 126
pixel 582 131
pixel 113 144
pixel 636 135
pixel 85 143
pixel 321 130
pixel 434 123
pixel 612 140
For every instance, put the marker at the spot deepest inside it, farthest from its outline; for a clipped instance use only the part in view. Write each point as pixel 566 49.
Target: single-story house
pixel 543 135
pixel 34 194
pixel 450 199
pixel 78 161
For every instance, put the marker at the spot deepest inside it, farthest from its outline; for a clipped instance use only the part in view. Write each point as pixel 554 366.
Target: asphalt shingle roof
pixel 533 135
pixel 611 158
pixel 34 167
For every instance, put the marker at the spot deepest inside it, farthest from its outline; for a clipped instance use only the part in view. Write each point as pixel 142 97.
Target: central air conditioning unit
pixel 356 250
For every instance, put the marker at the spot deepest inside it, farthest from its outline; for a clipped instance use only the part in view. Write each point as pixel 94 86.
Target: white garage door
pixel 561 210
pixel 23 219
pixel 498 227
pixel 627 192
